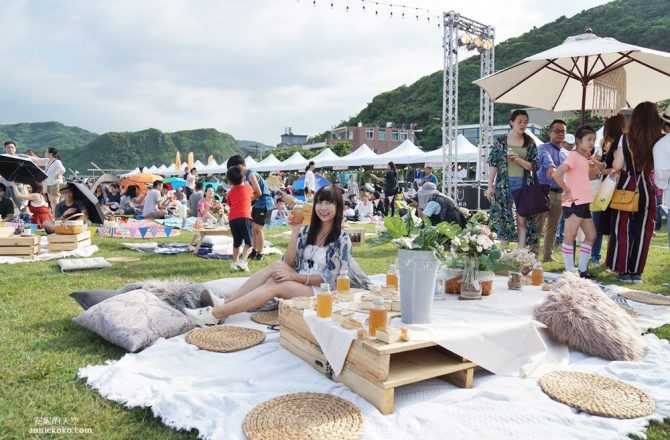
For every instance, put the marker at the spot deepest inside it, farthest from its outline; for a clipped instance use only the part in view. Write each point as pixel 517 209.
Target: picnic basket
pixel 71 226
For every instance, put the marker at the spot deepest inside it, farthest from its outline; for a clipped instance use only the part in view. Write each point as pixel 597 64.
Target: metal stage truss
pixel 460 31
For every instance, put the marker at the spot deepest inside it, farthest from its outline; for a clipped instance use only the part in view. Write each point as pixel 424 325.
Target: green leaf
pixel 395 227
pixel 451 230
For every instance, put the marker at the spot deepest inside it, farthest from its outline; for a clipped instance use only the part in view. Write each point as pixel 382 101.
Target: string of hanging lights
pixel 379 9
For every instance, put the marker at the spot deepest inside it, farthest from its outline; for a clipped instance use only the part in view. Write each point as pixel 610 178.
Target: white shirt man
pixel 152 202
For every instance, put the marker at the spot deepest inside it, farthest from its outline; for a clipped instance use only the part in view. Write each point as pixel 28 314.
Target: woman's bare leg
pixel 260 295
pixel 521 226
pixel 258 279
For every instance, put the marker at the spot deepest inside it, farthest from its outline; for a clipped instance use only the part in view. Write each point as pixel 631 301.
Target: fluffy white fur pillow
pixel 580 315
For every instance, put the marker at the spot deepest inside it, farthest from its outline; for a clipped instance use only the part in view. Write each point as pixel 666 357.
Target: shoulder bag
pixel 625 200
pixel 531 199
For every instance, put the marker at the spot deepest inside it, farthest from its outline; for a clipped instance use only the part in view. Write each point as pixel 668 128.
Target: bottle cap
pixel 378 301
pixel 325 286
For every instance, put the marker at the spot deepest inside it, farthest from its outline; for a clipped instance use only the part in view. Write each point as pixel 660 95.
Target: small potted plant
pixel 516 260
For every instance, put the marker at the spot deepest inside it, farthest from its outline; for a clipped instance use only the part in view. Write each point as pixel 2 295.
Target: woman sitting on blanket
pixel 315 255
pixel 208 205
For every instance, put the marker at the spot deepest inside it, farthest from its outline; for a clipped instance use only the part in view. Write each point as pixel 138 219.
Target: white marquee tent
pixel 268 163
pixel 467 152
pixel 296 162
pixel 363 155
pixel 401 154
pixel 324 157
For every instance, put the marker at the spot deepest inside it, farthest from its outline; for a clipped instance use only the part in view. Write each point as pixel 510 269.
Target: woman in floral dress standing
pixel 513 154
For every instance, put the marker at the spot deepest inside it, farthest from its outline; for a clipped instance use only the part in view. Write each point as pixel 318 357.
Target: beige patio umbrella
pixel 190 161
pixel 177 162
pixel 586 72
pixel 210 160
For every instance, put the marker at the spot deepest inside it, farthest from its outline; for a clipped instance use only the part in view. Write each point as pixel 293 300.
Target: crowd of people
pixel 635 149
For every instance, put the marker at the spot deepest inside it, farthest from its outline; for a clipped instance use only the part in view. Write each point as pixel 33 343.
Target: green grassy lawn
pixel 41 349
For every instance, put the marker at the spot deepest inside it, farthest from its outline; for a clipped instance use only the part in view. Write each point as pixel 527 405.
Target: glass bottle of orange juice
pixel 392 277
pixel 537 275
pixel 377 317
pixel 343 281
pixel 324 301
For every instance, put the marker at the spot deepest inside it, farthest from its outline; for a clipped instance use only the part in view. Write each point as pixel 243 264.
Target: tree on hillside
pixel 341 148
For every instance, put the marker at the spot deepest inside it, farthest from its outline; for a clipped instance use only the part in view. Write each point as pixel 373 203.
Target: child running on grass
pixel 576 199
pixel 239 218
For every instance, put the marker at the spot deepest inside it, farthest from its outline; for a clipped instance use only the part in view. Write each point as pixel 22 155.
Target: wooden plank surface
pixel 411 367
pixel 59 238
pixel 56 247
pixel 20 250
pixel 18 240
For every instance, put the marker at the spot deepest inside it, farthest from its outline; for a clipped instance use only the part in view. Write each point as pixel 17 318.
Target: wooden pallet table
pixel 372 368
pixel 199 236
pixel 20 245
pixel 59 242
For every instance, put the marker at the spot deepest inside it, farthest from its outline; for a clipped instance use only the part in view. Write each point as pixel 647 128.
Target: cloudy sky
pixel 246 67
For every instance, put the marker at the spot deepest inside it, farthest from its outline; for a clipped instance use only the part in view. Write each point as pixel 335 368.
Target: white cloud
pixel 249 68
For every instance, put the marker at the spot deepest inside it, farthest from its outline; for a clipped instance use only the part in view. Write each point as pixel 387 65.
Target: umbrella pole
pixel 581 115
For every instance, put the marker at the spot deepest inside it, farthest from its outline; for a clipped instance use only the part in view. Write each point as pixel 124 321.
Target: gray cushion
pixel 580 315
pixel 89 298
pixel 134 320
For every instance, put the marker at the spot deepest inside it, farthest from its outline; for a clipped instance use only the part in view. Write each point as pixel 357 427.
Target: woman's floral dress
pixel 501 214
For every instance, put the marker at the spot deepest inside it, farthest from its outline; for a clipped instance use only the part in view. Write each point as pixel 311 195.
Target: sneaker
pixel 207 298
pixel 624 278
pixel 253 254
pixel 202 317
pixel 636 278
pixel 243 265
pixel 257 257
pixel 586 274
pixel 594 261
pixel 234 266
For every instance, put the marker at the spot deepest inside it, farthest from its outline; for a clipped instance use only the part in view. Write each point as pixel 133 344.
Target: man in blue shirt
pixel 551 156
pixel 429 177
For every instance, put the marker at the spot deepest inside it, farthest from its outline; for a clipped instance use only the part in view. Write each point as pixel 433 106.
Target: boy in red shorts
pixel 239 218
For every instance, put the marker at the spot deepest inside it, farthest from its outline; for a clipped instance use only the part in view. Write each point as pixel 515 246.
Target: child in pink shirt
pixel 576 199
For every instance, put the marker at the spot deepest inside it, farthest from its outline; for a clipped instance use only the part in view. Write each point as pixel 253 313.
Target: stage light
pixel 486 45
pixel 474 43
pixel 464 40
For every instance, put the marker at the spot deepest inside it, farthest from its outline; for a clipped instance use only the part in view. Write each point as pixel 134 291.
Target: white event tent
pixel 250 162
pixel 402 154
pixel 466 152
pixel 296 162
pixel 268 163
pixel 324 157
pixel 363 155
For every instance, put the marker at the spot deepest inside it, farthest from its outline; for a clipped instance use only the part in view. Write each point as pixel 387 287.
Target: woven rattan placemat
pixel 266 318
pixel 646 298
pixel 597 395
pixel 224 338
pixel 304 416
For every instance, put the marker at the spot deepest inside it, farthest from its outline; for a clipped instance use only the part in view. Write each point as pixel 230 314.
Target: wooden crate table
pixel 199 236
pixel 20 245
pixel 59 242
pixel 373 369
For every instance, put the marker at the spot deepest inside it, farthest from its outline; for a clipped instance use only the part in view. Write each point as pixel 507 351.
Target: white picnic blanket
pixel 44 254
pixel 212 392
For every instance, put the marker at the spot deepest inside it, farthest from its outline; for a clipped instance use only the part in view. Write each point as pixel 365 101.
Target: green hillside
pixel 641 22
pixel 39 135
pixel 153 147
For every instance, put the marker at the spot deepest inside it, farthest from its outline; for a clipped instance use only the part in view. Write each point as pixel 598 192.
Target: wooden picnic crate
pixel 373 369
pixel 20 245
pixel 58 242
pixel 357 235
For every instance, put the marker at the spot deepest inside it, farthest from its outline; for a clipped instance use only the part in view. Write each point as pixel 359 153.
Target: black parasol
pixel 95 213
pixel 20 169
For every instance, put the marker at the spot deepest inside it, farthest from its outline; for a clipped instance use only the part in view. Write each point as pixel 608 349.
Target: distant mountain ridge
pixel 118 150
pixel 641 22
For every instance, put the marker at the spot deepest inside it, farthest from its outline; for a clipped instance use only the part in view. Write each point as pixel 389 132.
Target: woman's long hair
pixel 53 152
pixel 613 129
pixel 36 187
pixel 645 129
pixel 309 165
pixel 332 195
pixel 393 168
pixel 131 191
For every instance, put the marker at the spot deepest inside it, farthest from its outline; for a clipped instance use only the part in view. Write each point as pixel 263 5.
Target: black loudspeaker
pixel 466 195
